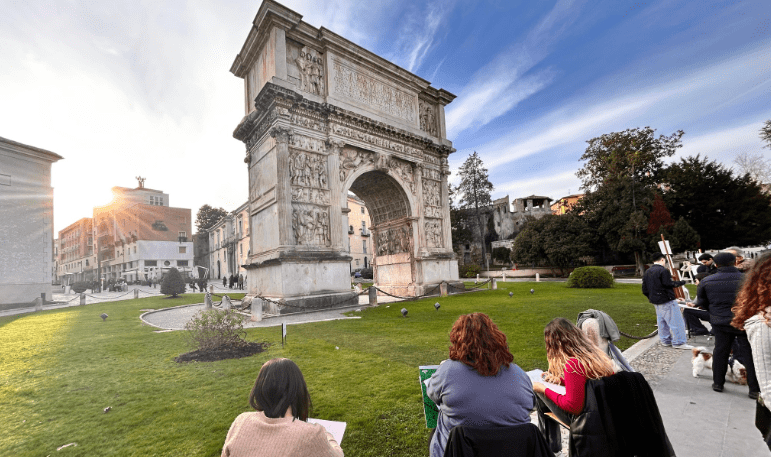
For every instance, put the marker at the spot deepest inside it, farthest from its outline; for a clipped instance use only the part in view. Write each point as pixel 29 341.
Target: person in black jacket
pixel 659 288
pixel 717 293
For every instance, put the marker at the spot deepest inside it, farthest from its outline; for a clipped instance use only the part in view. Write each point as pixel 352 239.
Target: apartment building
pixel 360 242
pixel 229 244
pixel 77 256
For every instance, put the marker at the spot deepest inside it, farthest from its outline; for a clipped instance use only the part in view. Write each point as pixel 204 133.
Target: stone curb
pixel 639 348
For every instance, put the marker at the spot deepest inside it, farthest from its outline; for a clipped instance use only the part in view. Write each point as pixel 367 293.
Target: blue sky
pixel 126 88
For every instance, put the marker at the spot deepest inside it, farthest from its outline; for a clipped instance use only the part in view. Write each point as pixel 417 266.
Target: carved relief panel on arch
pixel 306 68
pixel 434 234
pixel 394 240
pixel 310 225
pixel 427 118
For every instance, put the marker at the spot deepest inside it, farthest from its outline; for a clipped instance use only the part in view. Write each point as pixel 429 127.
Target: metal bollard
pixel 443 289
pixel 256 309
pixel 504 277
pixel 493 284
pixel 477 281
pixel 372 295
pixel 537 277
pixel 82 299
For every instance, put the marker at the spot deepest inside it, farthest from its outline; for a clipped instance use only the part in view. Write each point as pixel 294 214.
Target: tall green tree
pixel 475 189
pixel 207 216
pixel 723 208
pixel 620 177
pixel 560 240
pixel 459 224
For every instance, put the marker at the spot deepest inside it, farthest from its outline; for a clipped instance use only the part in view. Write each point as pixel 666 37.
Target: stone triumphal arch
pixel 325 117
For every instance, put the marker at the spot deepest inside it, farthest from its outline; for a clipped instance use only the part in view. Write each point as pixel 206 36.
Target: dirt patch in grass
pixel 222 353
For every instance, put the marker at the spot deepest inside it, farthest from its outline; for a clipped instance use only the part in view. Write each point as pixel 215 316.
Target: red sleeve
pixel 575 382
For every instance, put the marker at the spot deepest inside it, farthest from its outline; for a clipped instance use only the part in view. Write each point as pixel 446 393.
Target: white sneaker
pixel 682 346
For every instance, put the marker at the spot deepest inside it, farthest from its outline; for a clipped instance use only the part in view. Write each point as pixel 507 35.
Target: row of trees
pixel 632 198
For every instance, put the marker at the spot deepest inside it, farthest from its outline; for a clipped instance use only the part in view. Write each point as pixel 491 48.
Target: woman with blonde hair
pixel 752 313
pixel 480 385
pixel 278 428
pixel 573 359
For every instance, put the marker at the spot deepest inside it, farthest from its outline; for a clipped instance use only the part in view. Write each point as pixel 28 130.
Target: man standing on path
pixel 658 286
pixel 717 293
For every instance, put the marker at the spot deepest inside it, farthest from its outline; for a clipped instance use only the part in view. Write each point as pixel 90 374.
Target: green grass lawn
pixel 61 368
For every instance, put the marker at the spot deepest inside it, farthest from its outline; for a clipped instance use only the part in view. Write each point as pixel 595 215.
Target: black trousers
pixel 693 318
pixel 548 427
pixel 724 339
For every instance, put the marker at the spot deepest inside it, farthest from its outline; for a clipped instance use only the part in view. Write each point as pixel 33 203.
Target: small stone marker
pixel 436 306
pixel 104 316
pixel 372 296
pixel 404 312
pixel 504 277
pixel 136 293
pixel 226 304
pixel 443 289
pixel 538 277
pixel 357 288
pixel 493 284
pixel 207 301
pixel 38 304
pixel 477 280
pixel 82 299
pixel 256 308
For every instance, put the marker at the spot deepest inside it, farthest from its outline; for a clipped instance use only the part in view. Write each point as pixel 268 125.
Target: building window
pixel 183 249
pixel 181 263
pixel 151 263
pixel 241 249
pixel 362 210
pixel 166 263
pixel 357 262
pixel 364 246
pixel 183 234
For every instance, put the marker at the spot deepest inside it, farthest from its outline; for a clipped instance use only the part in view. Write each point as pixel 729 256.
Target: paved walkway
pixel 699 421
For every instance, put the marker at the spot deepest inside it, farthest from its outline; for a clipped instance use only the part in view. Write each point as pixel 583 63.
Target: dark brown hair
pixel 279 385
pixel 566 341
pixel 477 342
pixel 755 294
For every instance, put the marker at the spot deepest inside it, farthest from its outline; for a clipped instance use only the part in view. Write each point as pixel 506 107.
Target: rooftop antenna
pixel 141 182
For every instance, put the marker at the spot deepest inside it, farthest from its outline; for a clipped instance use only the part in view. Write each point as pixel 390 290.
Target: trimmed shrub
pixel 590 278
pixel 469 270
pixel 216 328
pixel 173 284
pixel 80 287
pixel 366 273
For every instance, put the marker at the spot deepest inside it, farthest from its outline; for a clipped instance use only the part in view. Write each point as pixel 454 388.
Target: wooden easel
pixel 679 293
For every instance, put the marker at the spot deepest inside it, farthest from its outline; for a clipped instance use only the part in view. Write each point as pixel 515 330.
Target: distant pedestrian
pixel 658 286
pixel 224 281
pixel 241 281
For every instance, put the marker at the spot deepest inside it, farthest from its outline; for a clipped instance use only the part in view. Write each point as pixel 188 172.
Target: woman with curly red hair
pixel 480 385
pixel 573 359
pixel 752 313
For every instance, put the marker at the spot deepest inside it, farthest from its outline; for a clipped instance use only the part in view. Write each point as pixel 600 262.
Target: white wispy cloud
pixel 504 82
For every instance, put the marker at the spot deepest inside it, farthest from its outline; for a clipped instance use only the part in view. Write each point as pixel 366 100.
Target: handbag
pixel 763 420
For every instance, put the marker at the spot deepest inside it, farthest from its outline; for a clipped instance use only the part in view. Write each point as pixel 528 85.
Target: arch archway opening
pixel 392 230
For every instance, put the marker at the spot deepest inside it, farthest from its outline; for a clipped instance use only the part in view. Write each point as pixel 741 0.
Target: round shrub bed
pixel 469 271
pixel 590 278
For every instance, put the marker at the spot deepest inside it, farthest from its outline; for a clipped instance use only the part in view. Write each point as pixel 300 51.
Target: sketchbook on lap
pixel 430 409
pixel 535 376
pixel 337 429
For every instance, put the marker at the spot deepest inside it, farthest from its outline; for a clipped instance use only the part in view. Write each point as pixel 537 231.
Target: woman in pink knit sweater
pixel 279 426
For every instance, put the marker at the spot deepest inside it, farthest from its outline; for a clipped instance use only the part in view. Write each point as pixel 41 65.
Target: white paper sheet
pixel 535 376
pixel 337 429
